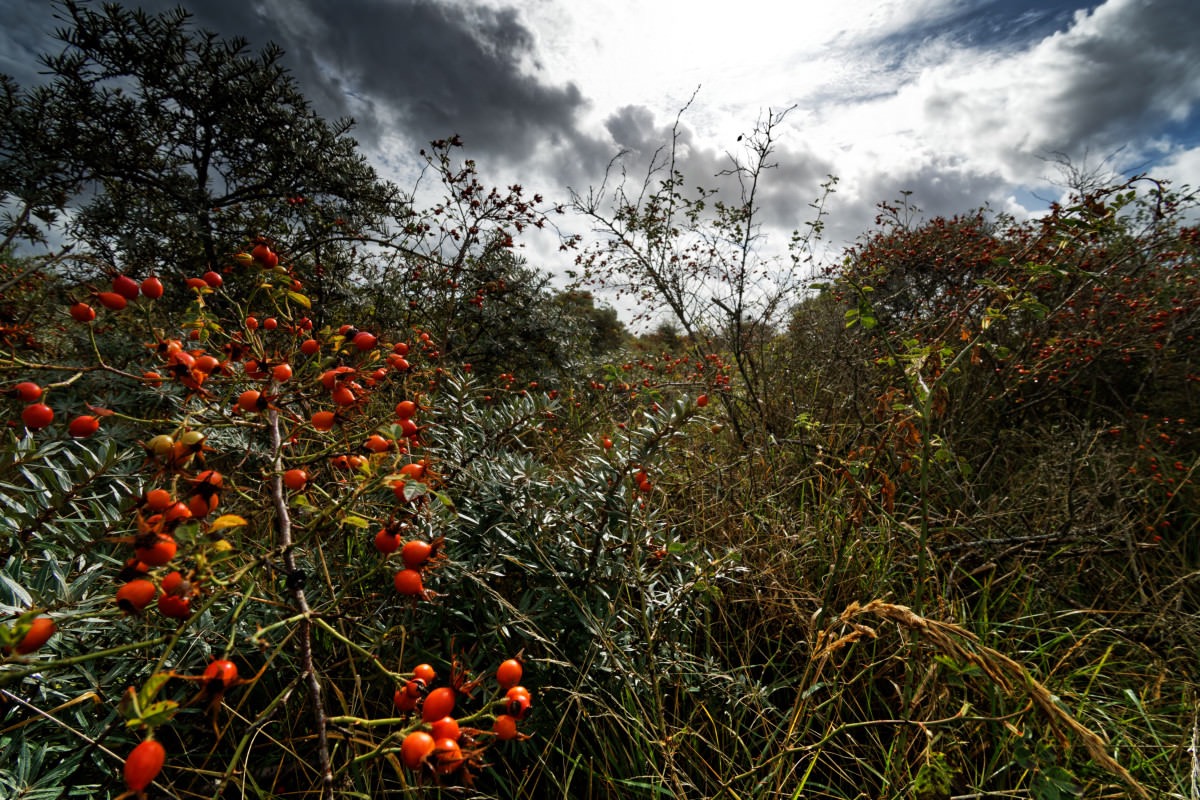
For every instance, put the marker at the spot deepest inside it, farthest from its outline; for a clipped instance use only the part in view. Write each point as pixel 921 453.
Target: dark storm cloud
pixel 26 27
pixel 1136 67
pixel 437 69
pixel 420 69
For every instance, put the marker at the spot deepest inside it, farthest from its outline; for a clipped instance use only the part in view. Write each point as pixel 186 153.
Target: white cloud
pixel 961 125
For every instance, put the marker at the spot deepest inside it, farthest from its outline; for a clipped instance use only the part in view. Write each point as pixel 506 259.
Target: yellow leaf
pixel 299 298
pixel 227 521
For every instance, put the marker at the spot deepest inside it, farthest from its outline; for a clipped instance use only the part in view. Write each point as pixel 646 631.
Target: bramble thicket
pixel 315 487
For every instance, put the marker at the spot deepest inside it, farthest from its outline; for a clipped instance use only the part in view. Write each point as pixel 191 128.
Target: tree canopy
pixel 170 146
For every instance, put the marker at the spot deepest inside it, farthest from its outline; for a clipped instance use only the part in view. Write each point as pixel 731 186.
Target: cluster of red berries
pixel 440 744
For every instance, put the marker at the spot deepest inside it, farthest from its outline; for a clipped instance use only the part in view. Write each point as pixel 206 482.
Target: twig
pixel 295 583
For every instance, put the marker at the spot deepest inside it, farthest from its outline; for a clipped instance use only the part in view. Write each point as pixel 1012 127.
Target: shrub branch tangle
pixel 282 495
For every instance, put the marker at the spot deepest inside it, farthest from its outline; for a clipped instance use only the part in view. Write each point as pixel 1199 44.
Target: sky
pixel 962 103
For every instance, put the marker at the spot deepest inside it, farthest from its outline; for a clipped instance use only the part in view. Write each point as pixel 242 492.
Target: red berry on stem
pixel 125 286
pixel 416 553
pixel 438 703
pixel 505 727
pixel 386 541
pixel 134 596
pixel 27 391
pixel 508 674
pixel 295 479
pixel 112 301
pixel 152 287
pixel 415 748
pixel 37 416
pixel 143 765
pixel 220 674
pixel 159 550
pixel 408 583
pixel 83 426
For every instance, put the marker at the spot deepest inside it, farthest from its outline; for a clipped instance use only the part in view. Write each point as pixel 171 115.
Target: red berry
pixel 27 391
pixel 404 700
pixel 250 401
pixel 519 700
pixel 206 364
pixel 175 607
pixel 159 550
pixel 415 748
pixel 143 765
pixel 83 426
pixel 152 287
pixel 158 499
pixel 377 444
pixel 331 378
pixel 220 674
pixel 446 728
pixel 112 300
pixel 438 703
pixel 213 279
pixel 508 674
pixel 408 582
pixel 37 416
pixel 449 755
pixel 125 286
pixel 265 256
pixel 387 542
pixel 505 727
pixel 134 596
pixel 295 479
pixel 40 631
pixel 82 312
pixel 416 553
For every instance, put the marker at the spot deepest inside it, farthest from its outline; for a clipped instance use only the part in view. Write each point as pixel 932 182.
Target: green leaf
pixel 16 590
pixel 151 687
pixel 300 299
pixel 414 489
pixel 155 714
pixel 933 779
